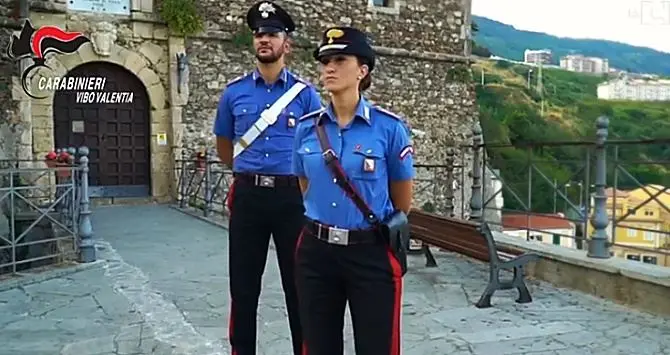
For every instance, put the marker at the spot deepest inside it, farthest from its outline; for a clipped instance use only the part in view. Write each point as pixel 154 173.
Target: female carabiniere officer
pixel 340 257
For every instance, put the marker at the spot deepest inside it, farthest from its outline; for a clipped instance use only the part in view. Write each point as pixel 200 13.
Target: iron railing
pixel 203 185
pixel 576 175
pixel 533 184
pixel 45 215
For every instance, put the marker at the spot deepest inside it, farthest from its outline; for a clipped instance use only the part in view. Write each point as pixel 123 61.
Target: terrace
pixel 158 283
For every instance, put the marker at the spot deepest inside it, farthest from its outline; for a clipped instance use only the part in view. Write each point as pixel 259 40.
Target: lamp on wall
pixel 182 63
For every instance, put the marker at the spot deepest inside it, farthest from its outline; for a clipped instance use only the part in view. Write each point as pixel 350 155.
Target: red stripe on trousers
pixel 229 198
pixel 397 298
pixel 295 262
pixel 230 326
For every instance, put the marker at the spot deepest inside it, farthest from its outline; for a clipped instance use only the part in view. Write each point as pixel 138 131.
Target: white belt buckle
pixel 338 236
pixel 265 181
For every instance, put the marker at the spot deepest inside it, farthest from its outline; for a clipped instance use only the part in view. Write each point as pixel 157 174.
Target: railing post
pixel 182 180
pixel 476 198
pixel 450 182
pixel 208 184
pixel 599 243
pixel 86 244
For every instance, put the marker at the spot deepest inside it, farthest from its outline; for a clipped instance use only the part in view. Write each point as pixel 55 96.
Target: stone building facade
pixel 423 74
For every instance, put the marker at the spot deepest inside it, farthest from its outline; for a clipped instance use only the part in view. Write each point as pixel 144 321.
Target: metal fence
pixel 584 179
pixel 203 184
pixel 45 215
pixel 520 189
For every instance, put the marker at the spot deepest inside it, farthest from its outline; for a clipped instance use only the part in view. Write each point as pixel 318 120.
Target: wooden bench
pixel 474 240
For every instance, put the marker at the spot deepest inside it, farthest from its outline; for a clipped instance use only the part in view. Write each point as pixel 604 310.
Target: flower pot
pixel 200 164
pixel 50 163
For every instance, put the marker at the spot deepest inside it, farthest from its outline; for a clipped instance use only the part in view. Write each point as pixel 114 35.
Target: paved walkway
pixel 163 290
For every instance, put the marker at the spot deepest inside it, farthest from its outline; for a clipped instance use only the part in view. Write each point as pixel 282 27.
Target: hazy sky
pixel 638 22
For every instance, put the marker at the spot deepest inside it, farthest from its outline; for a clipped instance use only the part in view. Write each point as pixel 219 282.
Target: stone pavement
pixel 163 290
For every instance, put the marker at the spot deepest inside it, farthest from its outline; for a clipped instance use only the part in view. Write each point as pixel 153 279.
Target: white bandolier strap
pixel 267 119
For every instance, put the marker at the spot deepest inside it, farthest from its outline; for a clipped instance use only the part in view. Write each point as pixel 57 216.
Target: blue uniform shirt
pixel 373 149
pixel 240 107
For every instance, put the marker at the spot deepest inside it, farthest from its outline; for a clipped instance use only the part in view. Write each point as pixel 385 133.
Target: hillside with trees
pixel 514 111
pixel 508 42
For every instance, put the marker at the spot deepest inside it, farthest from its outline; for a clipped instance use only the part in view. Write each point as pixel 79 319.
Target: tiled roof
pixel 537 221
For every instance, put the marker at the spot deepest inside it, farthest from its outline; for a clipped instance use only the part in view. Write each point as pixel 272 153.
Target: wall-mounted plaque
pixel 161 138
pixel 77 126
pixel 118 7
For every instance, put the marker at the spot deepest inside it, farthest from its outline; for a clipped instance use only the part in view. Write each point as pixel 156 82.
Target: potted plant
pixel 55 160
pixel 201 159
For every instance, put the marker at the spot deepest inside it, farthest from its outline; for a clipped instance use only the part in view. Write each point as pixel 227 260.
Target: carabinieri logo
pixel 38 44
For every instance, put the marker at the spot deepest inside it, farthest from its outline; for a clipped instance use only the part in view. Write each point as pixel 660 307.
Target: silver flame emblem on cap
pixel 265 9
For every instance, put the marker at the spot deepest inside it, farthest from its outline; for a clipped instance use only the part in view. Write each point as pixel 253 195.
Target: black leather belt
pixel 267 180
pixel 339 236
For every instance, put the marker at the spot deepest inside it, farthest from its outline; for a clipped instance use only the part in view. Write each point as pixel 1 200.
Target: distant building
pixel 627 88
pixel 582 64
pixel 643 225
pixel 545 228
pixel 537 56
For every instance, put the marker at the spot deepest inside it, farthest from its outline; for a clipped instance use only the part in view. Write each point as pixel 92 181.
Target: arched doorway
pixel 112 124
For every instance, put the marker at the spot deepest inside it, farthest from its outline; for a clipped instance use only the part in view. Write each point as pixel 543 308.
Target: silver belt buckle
pixel 265 181
pixel 338 236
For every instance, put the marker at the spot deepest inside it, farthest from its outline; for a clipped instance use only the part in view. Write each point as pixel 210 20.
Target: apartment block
pixel 582 64
pixel 537 56
pixel 635 89
pixel 642 231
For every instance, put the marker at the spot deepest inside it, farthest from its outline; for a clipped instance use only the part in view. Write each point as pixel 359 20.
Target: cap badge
pixel 334 33
pixel 265 8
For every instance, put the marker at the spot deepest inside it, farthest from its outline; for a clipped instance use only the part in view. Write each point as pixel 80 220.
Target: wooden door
pixel 115 128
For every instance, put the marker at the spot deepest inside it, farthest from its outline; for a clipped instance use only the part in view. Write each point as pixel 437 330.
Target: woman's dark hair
pixel 365 83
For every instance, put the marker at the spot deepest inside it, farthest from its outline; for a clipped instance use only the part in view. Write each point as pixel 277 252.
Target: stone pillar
pixel 179 93
pixel 599 243
pixel 86 243
pixel 476 200
pixel 450 183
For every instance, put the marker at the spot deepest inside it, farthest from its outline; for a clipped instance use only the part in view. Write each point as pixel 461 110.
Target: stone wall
pixel 421 72
pixel 420 75
pixel 417 25
pixel 11 127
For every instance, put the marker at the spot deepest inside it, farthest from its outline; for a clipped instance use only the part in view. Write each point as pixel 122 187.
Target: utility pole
pixel 540 88
pixel 482 76
pixel 555 194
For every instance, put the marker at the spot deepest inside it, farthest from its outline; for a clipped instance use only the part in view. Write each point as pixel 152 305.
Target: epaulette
pixel 388 113
pixel 312 114
pixel 239 78
pixel 304 81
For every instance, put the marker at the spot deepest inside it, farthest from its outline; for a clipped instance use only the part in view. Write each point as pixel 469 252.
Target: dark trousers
pixel 256 213
pixel 368 277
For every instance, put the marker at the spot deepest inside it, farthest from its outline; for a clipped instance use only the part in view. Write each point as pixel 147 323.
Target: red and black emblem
pixel 38 44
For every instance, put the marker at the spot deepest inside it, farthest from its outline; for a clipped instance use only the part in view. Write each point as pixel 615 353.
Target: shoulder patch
pixel 388 113
pixel 304 81
pixel 312 114
pixel 238 79
pixel 406 151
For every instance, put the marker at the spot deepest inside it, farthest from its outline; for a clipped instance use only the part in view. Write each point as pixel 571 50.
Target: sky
pixel 638 22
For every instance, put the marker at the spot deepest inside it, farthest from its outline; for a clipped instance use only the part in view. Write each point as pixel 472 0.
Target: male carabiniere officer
pixel 255 124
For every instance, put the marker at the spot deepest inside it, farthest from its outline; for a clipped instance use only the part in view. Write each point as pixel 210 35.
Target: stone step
pixel 127 201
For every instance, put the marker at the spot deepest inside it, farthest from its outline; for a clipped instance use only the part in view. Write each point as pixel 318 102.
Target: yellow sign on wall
pixel 161 138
